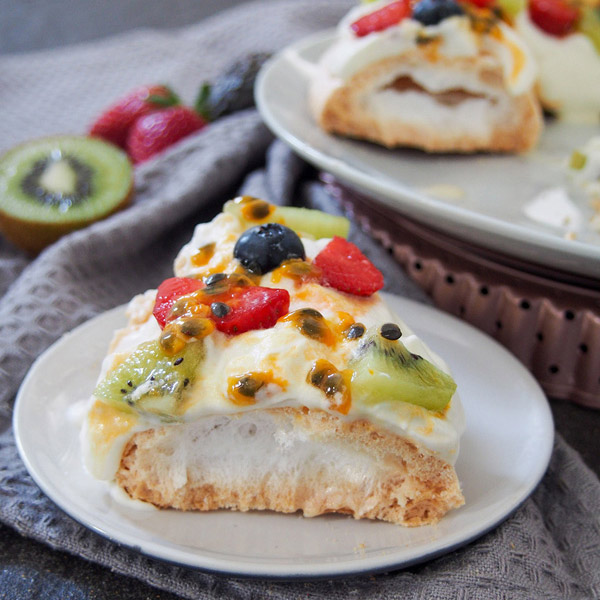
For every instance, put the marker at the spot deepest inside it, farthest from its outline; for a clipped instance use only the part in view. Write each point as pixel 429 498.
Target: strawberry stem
pixel 202 106
pixel 171 99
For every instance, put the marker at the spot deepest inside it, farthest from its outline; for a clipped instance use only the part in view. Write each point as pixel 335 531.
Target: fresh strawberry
pixel 168 292
pixel 381 19
pixel 253 307
pixel 154 132
pixel 234 308
pixel 555 17
pixel 345 268
pixel 114 123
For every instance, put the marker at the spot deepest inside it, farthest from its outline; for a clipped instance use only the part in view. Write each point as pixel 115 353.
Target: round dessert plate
pixel 520 205
pixel 504 454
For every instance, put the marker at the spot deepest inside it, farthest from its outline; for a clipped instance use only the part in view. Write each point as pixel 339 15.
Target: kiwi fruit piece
pixel 253 211
pixel 314 222
pixel 511 8
pixel 577 160
pixel 51 186
pixel 589 24
pixel 150 381
pixel 385 370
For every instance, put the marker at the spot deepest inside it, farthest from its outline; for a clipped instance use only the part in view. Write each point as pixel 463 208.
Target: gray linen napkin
pixel 549 548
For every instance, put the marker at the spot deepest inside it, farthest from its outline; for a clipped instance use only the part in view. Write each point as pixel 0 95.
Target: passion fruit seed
pixel 390 331
pixel 196 327
pixel 257 210
pixel 296 269
pixel 309 312
pixel 242 390
pixel 312 324
pixel 324 376
pixel 355 331
pixel 203 255
pixel 170 342
pixel 220 309
pixel 248 386
pixel 312 327
pixel 188 306
pixel 215 278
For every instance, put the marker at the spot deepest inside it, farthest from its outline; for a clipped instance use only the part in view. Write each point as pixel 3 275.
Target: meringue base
pixel 287 460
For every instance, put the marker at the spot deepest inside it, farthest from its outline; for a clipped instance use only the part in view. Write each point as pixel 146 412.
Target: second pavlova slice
pixel 439 75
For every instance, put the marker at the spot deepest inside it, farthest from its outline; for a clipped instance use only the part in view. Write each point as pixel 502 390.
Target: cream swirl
pixel 455 37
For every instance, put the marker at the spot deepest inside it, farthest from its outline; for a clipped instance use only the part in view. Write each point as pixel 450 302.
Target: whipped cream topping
pixel 282 349
pixel 455 38
pixel 569 71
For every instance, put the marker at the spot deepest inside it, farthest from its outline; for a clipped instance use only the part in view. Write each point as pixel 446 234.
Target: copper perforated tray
pixel 550 320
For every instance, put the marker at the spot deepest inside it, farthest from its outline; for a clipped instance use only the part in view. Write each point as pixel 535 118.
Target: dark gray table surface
pixel 32 570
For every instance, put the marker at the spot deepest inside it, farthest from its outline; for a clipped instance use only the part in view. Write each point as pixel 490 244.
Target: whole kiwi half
pixel 52 186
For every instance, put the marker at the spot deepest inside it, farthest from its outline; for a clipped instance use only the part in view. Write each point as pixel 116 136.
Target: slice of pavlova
pixel 439 75
pixel 270 374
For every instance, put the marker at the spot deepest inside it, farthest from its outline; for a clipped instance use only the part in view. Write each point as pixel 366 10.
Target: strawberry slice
pixel 345 268
pixel 114 123
pixel 168 292
pixel 154 132
pixel 390 14
pixel 555 17
pixel 234 309
pixel 253 307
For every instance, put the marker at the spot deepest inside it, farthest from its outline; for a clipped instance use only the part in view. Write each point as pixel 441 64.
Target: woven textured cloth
pixel 549 548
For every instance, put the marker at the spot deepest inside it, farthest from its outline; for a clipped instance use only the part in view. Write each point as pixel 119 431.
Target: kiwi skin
pixel 33 236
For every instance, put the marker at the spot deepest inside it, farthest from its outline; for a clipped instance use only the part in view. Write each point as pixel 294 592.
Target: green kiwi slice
pixel 511 8
pixel 313 222
pixel 51 186
pixel 589 24
pixel 150 381
pixel 385 370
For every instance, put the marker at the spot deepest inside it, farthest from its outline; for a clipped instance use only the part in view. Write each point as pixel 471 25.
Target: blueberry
pixel 264 247
pixel 431 12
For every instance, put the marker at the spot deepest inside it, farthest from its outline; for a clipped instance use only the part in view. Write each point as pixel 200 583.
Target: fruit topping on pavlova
pixel 268 373
pixel 441 75
pixel 564 37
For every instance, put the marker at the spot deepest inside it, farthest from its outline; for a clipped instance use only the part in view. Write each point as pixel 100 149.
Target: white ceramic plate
pixel 519 205
pixel 504 454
